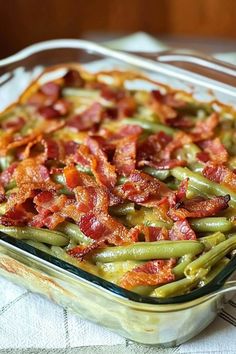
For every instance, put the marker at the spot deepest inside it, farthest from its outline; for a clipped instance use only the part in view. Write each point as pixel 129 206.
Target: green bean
pixel 178 270
pixel 32 233
pixel 210 258
pixel 113 271
pixel 84 169
pixel 122 209
pixel 144 290
pixel 59 178
pixel 39 245
pixel 212 240
pixel 151 126
pixel 10 185
pixel 159 174
pixel 158 223
pixel 5 161
pixel 204 185
pixel 74 232
pixel 71 91
pixel 61 254
pixel 3 208
pixel 211 224
pixel 175 288
pixel 119 268
pixel 65 191
pixel 189 152
pixel 215 271
pixel 148 250
pixel 196 167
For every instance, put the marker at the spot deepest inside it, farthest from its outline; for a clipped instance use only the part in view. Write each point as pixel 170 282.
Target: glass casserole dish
pixel 144 320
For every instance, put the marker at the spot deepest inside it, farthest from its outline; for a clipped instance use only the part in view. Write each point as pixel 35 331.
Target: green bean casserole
pixel 136 186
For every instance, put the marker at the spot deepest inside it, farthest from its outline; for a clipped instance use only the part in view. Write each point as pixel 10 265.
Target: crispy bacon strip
pixel 181 230
pixel 6 175
pixel 125 156
pixel 139 188
pixel 153 233
pixel 180 195
pixel 150 149
pixel 155 272
pixel 103 171
pixel 215 149
pixel 179 140
pixel 161 108
pixel 220 174
pixel 196 208
pixel 87 119
pixel 17 216
pixel 205 128
pixel 14 125
pixel 71 176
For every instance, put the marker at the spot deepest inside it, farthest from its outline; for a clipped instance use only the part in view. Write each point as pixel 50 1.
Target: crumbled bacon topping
pixel 75 159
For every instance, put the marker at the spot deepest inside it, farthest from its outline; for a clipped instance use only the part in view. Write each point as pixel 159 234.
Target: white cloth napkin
pixel 30 321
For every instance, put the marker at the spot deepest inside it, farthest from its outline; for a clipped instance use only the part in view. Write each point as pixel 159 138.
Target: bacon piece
pixel 180 122
pixel 87 119
pixel 181 230
pixel 6 142
pixel 71 176
pixel 83 156
pixel 49 206
pixel 179 140
pixel 205 129
pixel 38 99
pixel 169 99
pixel 91 198
pixel 17 216
pixel 112 93
pixel 125 155
pixel 150 149
pixel 139 188
pixel 53 149
pixel 180 195
pixel 73 79
pixel 51 89
pixel 50 201
pixel 102 228
pixel 215 149
pixel 203 156
pixel 3 197
pixel 127 130
pixel 48 112
pixel 14 124
pixel 44 99
pixel 220 174
pixel 103 171
pixel 29 176
pixel 30 172
pixel 62 106
pixel 153 233
pixel 196 208
pixel 70 147
pixel 126 107
pixel 6 175
pixel 155 272
pixel 161 108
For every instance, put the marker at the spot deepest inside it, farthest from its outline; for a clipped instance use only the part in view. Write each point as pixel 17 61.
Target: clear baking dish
pixel 166 322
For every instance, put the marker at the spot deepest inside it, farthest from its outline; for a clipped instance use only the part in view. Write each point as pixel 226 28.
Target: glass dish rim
pixel 213 286
pixel 218 282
